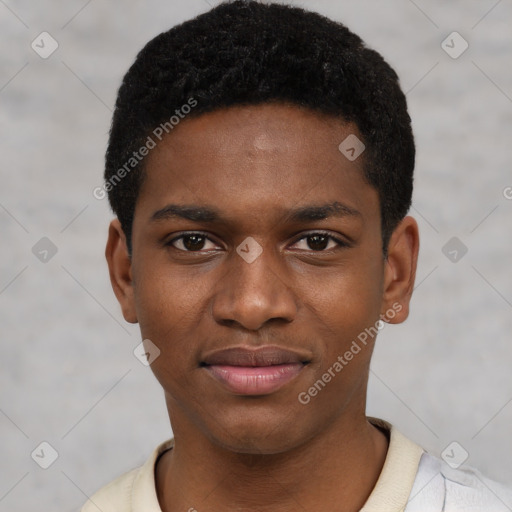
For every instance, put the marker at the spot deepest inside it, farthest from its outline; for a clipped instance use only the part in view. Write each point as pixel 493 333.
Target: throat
pixel 348 478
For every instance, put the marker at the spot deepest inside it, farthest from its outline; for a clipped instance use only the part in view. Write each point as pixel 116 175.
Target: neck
pixel 340 466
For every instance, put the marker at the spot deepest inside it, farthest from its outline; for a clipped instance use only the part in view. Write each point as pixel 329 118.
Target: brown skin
pixel 253 164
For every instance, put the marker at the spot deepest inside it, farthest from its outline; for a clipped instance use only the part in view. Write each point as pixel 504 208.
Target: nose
pixel 252 294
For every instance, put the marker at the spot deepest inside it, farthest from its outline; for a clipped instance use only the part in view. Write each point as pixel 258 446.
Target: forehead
pixel 256 158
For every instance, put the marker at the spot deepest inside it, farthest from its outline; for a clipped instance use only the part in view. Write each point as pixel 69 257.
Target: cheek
pixel 171 307
pixel 163 306
pixel 164 297
pixel 347 299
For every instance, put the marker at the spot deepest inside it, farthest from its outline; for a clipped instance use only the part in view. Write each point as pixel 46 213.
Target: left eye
pixel 320 242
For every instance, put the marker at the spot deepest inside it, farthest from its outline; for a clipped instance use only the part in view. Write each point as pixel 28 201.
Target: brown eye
pixel 194 242
pixel 190 242
pixel 319 242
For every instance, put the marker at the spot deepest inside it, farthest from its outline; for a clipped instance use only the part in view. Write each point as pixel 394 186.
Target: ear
pixel 400 271
pixel 120 270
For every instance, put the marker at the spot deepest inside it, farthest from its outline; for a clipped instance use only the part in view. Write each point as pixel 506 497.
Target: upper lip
pixel 249 356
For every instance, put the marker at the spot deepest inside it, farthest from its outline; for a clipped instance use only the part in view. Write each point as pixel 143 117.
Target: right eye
pixel 190 242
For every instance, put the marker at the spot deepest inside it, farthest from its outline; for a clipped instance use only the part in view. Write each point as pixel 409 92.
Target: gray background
pixel 69 376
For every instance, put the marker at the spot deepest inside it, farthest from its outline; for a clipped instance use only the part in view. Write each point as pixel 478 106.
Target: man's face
pixel 254 167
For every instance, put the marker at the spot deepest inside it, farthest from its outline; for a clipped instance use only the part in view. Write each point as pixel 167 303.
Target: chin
pixel 255 445
pixel 256 437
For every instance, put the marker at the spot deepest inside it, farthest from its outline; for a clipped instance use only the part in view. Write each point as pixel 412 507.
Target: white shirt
pixel 411 480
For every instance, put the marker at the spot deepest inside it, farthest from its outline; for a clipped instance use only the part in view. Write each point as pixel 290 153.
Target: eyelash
pixel 341 243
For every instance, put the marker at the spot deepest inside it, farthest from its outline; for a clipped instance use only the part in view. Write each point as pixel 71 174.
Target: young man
pixel 260 165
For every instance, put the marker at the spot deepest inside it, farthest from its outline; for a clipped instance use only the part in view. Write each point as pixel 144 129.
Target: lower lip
pixel 255 380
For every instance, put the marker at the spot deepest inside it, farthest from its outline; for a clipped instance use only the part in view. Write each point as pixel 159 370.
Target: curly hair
pixel 247 53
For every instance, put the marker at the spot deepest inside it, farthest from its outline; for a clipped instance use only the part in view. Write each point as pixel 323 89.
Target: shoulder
pixel 466 484
pixel 438 486
pixel 113 497
pixel 133 491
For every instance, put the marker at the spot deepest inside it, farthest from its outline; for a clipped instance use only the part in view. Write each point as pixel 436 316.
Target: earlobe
pixel 400 271
pixel 120 270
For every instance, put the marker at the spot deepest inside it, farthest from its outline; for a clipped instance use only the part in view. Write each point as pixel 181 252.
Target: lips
pixel 249 371
pixel 261 356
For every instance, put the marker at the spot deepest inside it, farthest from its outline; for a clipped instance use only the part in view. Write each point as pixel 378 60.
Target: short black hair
pixel 248 53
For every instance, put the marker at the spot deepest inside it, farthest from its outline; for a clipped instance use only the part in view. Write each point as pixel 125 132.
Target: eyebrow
pixel 210 215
